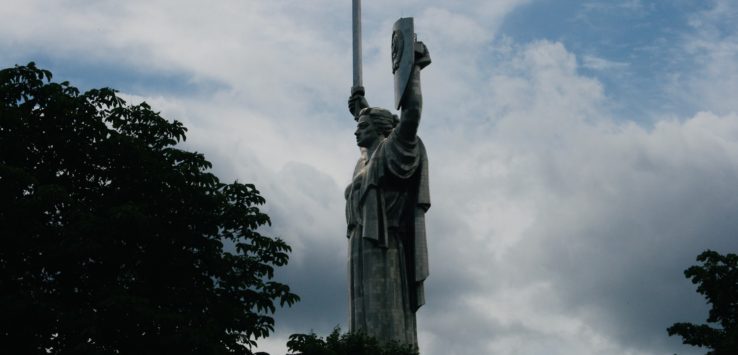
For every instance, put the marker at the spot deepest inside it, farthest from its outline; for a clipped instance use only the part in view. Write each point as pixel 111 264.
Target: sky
pixel 582 153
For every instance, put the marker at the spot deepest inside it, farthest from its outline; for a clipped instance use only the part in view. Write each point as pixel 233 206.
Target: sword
pixel 356 17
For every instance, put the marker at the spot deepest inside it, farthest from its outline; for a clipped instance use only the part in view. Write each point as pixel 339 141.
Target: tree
pixel 345 344
pixel 717 278
pixel 115 241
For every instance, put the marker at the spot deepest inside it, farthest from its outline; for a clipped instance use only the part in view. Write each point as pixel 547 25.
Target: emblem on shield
pixel 403 55
pixel 397 44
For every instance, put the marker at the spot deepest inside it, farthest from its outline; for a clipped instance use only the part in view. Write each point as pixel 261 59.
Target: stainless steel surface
pixel 356 15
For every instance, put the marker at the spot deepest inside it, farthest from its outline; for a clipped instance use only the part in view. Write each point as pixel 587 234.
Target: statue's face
pixel 366 134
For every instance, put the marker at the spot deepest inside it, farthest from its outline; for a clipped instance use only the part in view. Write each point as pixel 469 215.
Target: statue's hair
pixel 383 120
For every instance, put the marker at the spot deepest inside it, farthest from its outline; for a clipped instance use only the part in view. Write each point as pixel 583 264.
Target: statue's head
pixel 373 125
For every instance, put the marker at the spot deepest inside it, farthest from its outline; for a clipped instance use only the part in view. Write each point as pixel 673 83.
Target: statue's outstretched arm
pixel 412 101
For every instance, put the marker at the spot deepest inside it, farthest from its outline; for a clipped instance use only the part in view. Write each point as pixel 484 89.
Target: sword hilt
pixel 357 101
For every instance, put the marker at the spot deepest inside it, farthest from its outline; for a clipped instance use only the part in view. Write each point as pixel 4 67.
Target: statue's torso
pixel 396 193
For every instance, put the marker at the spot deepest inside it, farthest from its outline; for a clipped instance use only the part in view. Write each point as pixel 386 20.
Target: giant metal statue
pixel 388 197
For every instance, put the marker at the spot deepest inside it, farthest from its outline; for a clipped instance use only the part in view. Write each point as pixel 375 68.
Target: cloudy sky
pixel 582 152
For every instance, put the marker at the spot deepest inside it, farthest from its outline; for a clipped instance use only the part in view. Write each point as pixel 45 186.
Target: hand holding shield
pixel 422 56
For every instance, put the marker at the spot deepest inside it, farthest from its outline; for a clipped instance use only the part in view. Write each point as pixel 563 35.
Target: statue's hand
pixel 422 56
pixel 356 103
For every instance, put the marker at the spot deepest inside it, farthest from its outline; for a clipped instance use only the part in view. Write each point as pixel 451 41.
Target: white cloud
pixel 597 63
pixel 555 192
pixel 711 50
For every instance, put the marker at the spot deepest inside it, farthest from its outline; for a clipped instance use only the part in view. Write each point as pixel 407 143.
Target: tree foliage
pixel 344 344
pixel 112 240
pixel 717 278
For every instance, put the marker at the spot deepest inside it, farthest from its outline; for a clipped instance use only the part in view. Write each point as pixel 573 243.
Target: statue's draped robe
pixel 388 257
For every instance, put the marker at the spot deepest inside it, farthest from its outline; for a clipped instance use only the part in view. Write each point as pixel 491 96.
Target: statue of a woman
pixel 385 210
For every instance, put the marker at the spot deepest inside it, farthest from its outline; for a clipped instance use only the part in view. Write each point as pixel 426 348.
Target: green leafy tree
pixel 344 344
pixel 112 240
pixel 717 278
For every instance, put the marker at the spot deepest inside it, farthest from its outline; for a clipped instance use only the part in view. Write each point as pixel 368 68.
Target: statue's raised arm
pixel 412 100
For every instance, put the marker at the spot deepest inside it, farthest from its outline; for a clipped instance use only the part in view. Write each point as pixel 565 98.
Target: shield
pixel 403 55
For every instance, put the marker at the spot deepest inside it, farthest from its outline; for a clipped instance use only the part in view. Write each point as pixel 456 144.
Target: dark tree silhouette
pixel 112 240
pixel 344 344
pixel 717 278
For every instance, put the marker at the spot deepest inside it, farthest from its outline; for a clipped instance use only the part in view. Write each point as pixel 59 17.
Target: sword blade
pixel 356 12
